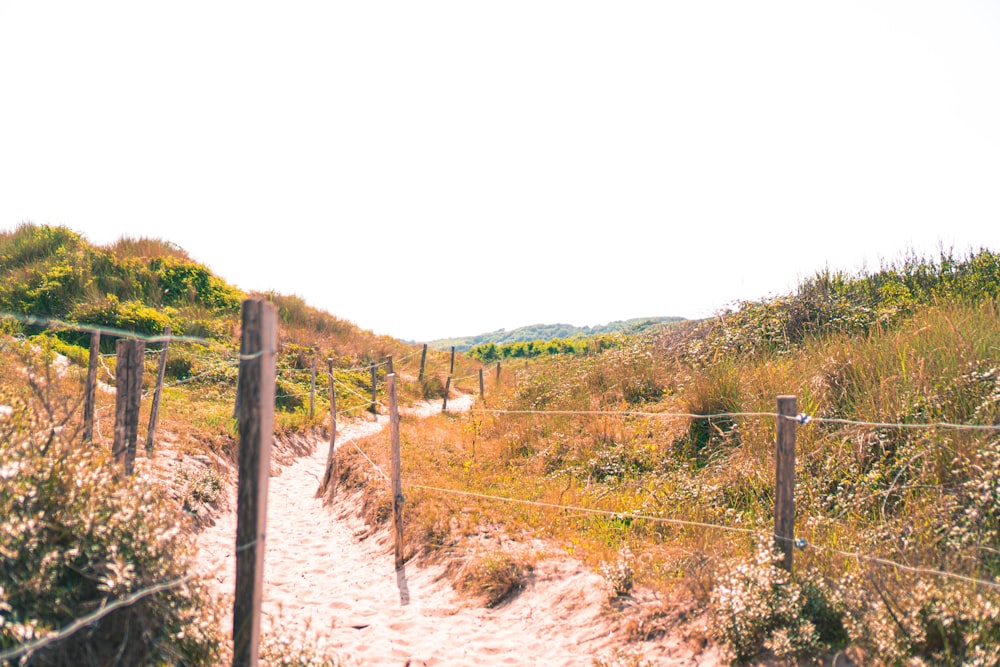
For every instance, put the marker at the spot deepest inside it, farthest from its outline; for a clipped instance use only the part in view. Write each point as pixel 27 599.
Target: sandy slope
pixel 323 580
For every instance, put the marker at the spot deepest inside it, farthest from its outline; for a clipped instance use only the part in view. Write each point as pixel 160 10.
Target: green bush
pixel 757 607
pixel 74 537
pixel 128 315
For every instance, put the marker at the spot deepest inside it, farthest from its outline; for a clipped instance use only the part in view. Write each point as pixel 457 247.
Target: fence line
pixel 586 510
pixel 352 390
pixel 802 419
pixel 797 543
pixel 907 425
pixel 785 541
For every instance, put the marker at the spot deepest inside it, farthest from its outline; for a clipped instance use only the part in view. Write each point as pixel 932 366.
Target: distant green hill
pixel 549 332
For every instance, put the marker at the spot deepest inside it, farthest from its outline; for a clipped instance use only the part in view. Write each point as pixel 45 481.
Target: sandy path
pixel 322 581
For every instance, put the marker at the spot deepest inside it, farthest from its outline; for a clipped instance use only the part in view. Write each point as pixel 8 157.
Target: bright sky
pixel 430 169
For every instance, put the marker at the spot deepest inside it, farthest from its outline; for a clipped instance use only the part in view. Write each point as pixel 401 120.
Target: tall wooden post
pixel 128 395
pixel 498 373
pixel 154 411
pixel 312 390
pixel 784 489
pixel 397 484
pixel 256 417
pixel 451 369
pixel 423 363
pixel 90 391
pixel 482 390
pixel 329 484
pixel 373 408
pixel 388 365
pixel 447 389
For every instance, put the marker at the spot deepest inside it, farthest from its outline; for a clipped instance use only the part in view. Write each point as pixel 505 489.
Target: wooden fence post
pixel 256 417
pixel 451 369
pixel 373 408
pixel 329 484
pixel 312 390
pixel 388 365
pixel 90 391
pixel 154 411
pixel 482 391
pixel 498 373
pixel 784 489
pixel 128 395
pixel 447 388
pixel 423 362
pixel 397 484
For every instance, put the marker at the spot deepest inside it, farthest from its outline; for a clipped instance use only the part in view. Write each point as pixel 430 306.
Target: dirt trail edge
pixel 323 581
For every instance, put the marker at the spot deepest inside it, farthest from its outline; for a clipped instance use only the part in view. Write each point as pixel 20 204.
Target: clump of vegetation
pixel 489 352
pixel 620 574
pixel 284 651
pixel 758 607
pixel 75 537
pixel 494 577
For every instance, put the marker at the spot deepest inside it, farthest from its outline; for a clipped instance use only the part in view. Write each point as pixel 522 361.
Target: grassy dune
pixel 917 342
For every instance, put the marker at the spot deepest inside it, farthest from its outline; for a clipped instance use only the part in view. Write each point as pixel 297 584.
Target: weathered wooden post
pixel 128 395
pixel 388 365
pixel 256 416
pixel 498 373
pixel 397 483
pixel 482 391
pixel 312 390
pixel 154 411
pixel 90 391
pixel 784 488
pixel 373 408
pixel 423 362
pixel 329 484
pixel 447 388
pixel 451 369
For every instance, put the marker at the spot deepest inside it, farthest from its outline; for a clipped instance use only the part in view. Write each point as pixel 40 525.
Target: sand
pixel 327 577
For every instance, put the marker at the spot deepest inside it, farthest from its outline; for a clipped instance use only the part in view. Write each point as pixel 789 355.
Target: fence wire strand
pixel 93 617
pixel 53 323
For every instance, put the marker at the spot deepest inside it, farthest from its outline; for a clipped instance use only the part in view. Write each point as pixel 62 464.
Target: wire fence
pixel 798 543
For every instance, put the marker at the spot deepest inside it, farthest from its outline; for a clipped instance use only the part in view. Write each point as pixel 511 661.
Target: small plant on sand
pixel 495 577
pixel 620 575
pixel 283 651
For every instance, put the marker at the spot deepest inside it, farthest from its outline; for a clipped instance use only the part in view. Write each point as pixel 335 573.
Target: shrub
pixel 126 315
pixel 758 607
pixel 73 537
pixel 620 575
pixel 495 577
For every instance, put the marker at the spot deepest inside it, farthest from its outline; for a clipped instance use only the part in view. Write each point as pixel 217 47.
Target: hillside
pixel 546 332
pixel 650 461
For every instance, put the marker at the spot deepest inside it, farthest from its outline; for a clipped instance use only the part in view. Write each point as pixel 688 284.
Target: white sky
pixel 429 169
